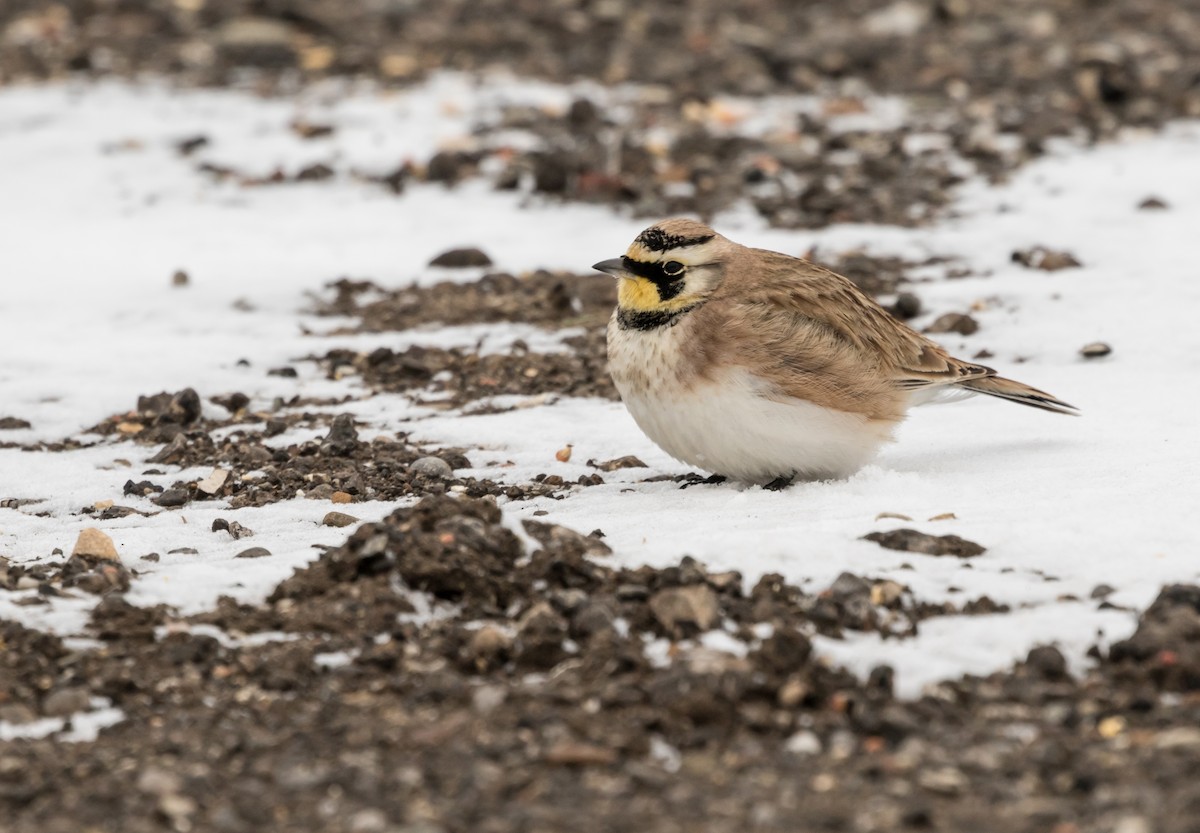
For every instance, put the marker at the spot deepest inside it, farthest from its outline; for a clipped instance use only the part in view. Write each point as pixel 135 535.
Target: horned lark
pixel 763 367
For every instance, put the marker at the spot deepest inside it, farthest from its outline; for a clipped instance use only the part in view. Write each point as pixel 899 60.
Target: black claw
pixel 780 483
pixel 704 481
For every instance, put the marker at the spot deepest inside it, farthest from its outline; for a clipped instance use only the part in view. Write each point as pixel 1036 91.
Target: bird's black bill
pixel 614 267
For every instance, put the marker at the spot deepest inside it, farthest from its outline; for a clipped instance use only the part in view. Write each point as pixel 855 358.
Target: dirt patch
pixel 550 299
pixel 435 673
pixel 251 466
pixel 453 378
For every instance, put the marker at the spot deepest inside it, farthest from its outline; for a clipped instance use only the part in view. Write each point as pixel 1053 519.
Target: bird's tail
pixel 1017 392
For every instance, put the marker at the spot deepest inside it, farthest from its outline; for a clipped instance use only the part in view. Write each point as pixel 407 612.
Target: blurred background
pixel 978 86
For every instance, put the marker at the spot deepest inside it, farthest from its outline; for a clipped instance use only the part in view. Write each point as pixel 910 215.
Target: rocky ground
pixel 983 87
pixel 544 690
pixel 443 671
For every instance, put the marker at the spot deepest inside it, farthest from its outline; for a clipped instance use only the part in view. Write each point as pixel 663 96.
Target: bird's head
pixel 669 266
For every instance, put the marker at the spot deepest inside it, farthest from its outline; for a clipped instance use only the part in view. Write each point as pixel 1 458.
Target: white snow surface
pixel 97 210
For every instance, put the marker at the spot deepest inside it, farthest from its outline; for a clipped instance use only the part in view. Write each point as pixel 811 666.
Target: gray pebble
pixel 431 467
pixel 65 701
pixel 254 552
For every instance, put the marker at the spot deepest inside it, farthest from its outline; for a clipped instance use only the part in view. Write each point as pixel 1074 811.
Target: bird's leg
pixel 780 483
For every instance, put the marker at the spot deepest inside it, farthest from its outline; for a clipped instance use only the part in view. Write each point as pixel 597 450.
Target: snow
pixel 98 210
pixel 80 727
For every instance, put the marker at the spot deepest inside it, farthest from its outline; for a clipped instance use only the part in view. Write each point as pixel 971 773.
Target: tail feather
pixel 1016 392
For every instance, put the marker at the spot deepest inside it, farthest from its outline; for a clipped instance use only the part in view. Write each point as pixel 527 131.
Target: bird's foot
pixel 780 483
pixel 696 480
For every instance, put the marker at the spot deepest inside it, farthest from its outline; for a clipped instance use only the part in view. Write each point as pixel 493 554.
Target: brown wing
pixel 813 327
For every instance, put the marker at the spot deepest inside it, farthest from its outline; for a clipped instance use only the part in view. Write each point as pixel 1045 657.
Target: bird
pixel 765 368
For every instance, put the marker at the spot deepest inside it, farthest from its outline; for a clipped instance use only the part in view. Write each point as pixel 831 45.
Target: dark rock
pixel 1095 350
pixel 1048 260
pixel 449 167
pixel 188 146
pixel 1048 662
pixel 784 651
pixel 172 497
pixel 461 258
pixel 910 540
pixel 551 173
pixel 906 307
pixel 563 542
pixel 182 408
pixel 172 452
pixel 592 618
pixel 233 403
pixel 314 173
pixel 10 423
pixel 1167 640
pixel 254 552
pixel 848 586
pixel 96 575
pixel 954 322
pixel 627 462
pixel 342 438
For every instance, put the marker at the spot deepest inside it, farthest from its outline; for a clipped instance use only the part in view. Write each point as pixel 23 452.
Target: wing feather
pixel 829 302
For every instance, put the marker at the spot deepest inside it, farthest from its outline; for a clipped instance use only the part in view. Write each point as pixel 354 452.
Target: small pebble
pixel 954 322
pixel 65 701
pixel 1048 662
pixel 180 278
pixel 431 467
pixel 338 519
pixel 172 498
pixel 92 543
pixel 461 258
pixel 1095 350
pixel 341 497
pixel 907 306
pixel 213 483
pixel 254 552
pixel 1048 260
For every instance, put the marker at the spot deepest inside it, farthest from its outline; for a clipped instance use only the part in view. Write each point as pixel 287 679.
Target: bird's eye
pixel 672 268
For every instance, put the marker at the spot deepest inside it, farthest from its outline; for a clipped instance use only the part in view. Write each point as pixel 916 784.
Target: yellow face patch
pixel 641 295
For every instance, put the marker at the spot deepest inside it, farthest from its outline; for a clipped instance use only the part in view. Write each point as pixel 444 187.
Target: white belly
pixel 729 427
